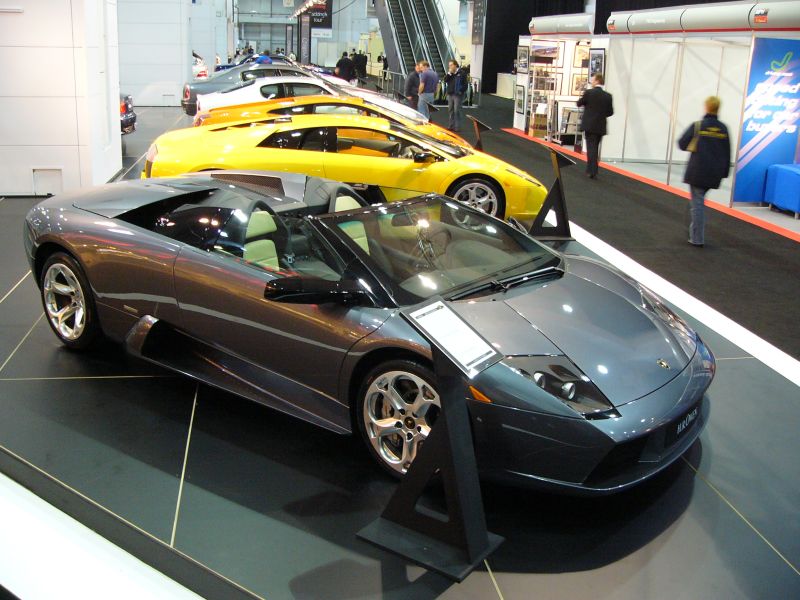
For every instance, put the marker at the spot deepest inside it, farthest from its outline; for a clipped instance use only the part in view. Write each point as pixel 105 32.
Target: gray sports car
pixel 286 290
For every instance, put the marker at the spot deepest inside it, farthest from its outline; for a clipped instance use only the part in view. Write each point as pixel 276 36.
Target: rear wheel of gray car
pixel 68 303
pixel 397 405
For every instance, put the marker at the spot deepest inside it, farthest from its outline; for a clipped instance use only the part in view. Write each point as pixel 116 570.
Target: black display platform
pixel 273 504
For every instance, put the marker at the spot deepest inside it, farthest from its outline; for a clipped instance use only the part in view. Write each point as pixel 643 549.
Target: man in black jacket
pixel 709 164
pixel 345 68
pixel 411 90
pixel 597 107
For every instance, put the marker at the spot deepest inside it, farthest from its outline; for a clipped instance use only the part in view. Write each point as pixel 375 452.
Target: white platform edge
pixel 47 554
pixel 772 357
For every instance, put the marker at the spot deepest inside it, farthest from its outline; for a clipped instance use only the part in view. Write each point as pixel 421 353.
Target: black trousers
pixel 592 152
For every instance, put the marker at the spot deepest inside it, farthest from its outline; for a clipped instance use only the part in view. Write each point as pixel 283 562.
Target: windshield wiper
pixel 503 285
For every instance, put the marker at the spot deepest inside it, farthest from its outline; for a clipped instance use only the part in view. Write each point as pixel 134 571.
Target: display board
pixel 769 133
pixel 478 21
pixel 453 336
pixel 305 39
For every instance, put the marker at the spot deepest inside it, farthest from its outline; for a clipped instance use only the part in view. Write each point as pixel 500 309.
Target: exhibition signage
pixel 771 118
pixel 305 39
pixel 478 21
pixel 321 14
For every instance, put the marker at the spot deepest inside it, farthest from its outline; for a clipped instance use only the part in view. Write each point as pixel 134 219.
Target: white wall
pixel 641 75
pixel 202 31
pixel 154 50
pixel 62 129
pixel 348 24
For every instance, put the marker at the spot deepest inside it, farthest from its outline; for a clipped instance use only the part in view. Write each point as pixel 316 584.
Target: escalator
pixel 415 30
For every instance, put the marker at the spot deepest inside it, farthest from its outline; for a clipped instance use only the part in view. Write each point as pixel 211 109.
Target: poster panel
pixel 769 133
pixel 321 14
pixel 305 39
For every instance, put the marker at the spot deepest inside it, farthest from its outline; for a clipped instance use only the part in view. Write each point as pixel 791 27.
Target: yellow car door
pixel 289 150
pixel 374 157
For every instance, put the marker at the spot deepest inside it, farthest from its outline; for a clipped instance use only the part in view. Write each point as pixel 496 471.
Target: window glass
pixel 338 109
pixel 292 110
pixel 298 139
pixel 368 142
pixel 436 246
pixel 270 91
pixel 306 89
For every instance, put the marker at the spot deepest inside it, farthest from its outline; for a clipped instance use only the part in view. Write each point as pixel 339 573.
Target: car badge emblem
pixel 662 363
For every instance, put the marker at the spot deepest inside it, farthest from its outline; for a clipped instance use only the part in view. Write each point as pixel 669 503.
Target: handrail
pixel 418 48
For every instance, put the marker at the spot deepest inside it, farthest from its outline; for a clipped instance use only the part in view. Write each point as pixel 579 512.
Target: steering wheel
pixel 430 246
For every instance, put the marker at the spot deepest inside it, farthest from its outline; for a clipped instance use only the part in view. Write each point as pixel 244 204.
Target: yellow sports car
pixel 393 161
pixel 318 105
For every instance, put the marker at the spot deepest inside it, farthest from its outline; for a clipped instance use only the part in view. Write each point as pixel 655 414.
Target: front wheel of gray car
pixel 397 405
pixel 68 303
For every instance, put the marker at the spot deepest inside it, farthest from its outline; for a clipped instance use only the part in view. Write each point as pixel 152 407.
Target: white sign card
pixel 455 337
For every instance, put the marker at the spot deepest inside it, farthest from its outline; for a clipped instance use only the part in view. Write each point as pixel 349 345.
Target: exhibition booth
pixel 660 65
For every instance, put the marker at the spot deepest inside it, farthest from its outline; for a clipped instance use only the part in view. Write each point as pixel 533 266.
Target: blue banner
pixel 771 116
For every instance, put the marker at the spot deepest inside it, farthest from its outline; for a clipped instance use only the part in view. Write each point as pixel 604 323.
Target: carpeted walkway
pixel 747 273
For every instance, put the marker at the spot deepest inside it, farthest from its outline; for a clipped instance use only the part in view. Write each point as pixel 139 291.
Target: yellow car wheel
pixel 480 193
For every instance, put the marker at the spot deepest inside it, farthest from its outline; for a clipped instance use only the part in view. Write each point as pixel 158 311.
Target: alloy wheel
pixel 399 410
pixel 64 301
pixel 478 195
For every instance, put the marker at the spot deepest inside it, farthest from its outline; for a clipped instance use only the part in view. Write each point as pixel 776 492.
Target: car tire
pixel 480 193
pixel 68 302
pixel 413 409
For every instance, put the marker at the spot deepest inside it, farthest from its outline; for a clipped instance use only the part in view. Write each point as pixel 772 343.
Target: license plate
pixel 677 429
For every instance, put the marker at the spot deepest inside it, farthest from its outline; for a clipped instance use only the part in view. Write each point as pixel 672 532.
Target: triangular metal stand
pixel 555 201
pixel 479 127
pixel 451 544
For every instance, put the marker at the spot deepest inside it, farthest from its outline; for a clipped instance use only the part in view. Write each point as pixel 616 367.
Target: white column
pixel 59 102
pixel 155 55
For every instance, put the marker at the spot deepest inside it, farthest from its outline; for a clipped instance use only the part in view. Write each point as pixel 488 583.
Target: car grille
pixel 621 457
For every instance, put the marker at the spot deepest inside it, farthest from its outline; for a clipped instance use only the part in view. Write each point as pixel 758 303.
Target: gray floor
pixel 674 177
pixel 274 504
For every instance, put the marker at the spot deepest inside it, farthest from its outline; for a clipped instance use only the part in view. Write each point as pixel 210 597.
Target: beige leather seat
pixel 257 249
pixel 354 229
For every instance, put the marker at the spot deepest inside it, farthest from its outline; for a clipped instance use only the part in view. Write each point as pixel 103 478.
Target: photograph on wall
pixel 597 62
pixel 522 59
pixel 519 100
pixel 581 58
pixel 579 81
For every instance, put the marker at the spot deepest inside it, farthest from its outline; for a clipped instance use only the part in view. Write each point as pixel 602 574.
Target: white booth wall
pixel 154 50
pixel 659 84
pixel 59 123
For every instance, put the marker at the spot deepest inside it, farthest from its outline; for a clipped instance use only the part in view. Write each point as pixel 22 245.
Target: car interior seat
pixel 257 248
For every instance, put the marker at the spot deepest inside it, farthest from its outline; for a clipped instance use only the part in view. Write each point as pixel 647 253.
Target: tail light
pixel 123 108
pixel 187 93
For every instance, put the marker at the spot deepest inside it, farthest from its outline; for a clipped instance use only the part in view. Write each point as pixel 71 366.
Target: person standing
pixel 455 86
pixel 709 163
pixel 345 68
pixel 597 107
pixel 411 90
pixel 385 62
pixel 428 80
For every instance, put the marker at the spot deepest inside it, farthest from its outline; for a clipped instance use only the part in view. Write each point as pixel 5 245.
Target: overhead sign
pixel 305 39
pixel 478 21
pixel 321 14
pixel 771 117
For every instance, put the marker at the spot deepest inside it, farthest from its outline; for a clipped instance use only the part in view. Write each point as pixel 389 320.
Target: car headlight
pixel 654 304
pixel 524 176
pixel 557 376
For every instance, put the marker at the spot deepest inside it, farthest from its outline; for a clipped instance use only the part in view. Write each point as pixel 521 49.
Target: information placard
pixel 453 336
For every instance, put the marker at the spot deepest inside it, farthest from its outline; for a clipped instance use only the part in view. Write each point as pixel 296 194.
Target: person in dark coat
pixel 411 90
pixel 597 107
pixel 345 68
pixel 455 86
pixel 709 164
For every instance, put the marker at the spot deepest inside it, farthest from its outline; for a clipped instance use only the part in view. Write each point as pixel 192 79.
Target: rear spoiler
pixel 544 229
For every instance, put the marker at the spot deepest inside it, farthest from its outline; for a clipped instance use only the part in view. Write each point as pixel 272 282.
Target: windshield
pixel 435 246
pixel 440 145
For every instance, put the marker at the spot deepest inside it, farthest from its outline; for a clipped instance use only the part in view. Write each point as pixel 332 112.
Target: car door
pixel 377 157
pixel 299 348
pixel 294 150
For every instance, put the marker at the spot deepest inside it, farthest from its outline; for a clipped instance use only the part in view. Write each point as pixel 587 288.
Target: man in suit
pixel 709 164
pixel 597 107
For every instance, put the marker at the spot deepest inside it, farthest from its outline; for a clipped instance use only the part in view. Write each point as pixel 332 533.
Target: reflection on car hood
pixel 613 341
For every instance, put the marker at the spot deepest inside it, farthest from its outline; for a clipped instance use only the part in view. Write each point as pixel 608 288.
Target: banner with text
pixel 321 14
pixel 771 116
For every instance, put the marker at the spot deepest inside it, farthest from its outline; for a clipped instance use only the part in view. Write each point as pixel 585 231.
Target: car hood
pixel 614 341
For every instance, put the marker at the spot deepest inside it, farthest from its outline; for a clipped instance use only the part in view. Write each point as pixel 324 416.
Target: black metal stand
pixel 451 544
pixel 479 127
pixel 555 201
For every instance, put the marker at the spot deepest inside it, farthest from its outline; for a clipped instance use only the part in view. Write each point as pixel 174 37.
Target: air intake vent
pixel 261 184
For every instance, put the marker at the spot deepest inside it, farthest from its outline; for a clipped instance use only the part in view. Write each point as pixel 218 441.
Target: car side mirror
pixel 424 157
pixel 313 290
